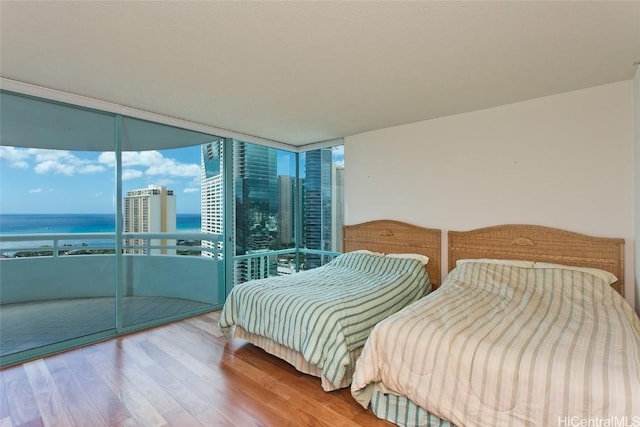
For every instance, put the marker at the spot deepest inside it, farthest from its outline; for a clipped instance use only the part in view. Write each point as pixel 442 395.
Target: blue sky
pixel 59 181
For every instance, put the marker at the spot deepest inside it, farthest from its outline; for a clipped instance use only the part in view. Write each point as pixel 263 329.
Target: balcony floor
pixel 24 326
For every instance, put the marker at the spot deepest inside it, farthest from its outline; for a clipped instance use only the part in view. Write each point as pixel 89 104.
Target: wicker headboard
pixel 397 237
pixel 538 243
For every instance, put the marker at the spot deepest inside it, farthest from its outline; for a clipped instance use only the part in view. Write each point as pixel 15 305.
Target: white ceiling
pixel 303 72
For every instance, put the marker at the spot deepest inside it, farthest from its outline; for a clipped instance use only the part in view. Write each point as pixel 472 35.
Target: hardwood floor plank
pixel 196 339
pixel 207 326
pixel 4 403
pixel 108 404
pixel 179 391
pixel 183 374
pixel 190 362
pixel 168 363
pixel 212 417
pixel 53 409
pixel 153 392
pixel 20 398
pixel 224 402
pixel 82 409
pixel 180 417
pixel 130 346
pixel 133 399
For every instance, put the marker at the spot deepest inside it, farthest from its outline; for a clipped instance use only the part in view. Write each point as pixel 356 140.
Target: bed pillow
pixel 610 278
pixel 368 252
pixel 422 258
pixel 510 262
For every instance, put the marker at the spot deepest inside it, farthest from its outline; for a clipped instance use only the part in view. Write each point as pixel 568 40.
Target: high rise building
pixel 337 207
pixel 212 197
pixel 286 190
pixel 318 223
pixel 150 210
pixel 255 188
pixel 255 180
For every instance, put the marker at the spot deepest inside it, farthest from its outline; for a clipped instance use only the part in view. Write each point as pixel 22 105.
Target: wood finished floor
pixel 183 374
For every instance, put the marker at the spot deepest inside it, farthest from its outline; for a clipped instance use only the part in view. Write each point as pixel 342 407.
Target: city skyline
pixel 62 181
pixel 266 203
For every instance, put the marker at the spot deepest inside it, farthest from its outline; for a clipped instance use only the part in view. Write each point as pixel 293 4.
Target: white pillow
pixel 510 262
pixel 422 258
pixel 368 252
pixel 610 278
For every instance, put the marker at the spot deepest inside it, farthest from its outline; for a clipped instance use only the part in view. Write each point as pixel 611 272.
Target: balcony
pixel 70 289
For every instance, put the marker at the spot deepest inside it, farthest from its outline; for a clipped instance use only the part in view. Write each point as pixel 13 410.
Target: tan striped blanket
pixel 510 346
pixel 327 312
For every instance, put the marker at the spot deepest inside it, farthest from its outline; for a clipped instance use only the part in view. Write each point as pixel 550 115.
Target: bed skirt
pixel 295 358
pixel 402 411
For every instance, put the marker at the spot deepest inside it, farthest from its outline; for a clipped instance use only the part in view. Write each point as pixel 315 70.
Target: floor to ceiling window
pixel 165 272
pixel 264 188
pixel 289 209
pixel 100 226
pixel 110 223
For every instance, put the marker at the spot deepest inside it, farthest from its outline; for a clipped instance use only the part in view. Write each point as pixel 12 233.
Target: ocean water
pixel 77 223
pixel 74 223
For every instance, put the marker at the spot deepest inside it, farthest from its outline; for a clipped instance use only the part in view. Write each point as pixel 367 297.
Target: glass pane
pixel 170 197
pixel 57 270
pixel 322 180
pixel 263 265
pixel 264 189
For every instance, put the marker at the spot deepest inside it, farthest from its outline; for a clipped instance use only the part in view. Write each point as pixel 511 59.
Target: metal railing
pixel 75 243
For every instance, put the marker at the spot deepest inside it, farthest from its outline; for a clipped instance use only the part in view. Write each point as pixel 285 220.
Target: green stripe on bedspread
pixel 326 312
pixel 403 412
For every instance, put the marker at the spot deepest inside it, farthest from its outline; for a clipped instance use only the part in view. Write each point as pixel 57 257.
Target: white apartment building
pixel 150 210
pixel 211 193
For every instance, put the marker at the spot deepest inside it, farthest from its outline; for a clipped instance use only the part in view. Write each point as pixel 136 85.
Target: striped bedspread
pixel 329 311
pixel 510 346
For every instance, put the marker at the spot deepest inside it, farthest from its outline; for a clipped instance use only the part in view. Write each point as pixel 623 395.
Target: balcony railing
pixel 40 273
pixel 159 277
pixel 69 244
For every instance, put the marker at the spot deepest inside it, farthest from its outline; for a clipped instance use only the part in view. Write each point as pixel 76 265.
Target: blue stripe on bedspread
pixel 329 311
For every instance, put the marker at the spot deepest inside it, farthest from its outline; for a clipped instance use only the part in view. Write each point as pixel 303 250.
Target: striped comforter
pixel 510 346
pixel 329 311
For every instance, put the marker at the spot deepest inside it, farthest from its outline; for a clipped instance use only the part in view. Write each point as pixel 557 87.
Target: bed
pixel 318 320
pixel 513 343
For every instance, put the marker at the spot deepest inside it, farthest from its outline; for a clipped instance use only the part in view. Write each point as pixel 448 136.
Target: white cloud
pixel 35 190
pixel 191 190
pixel 154 163
pixel 63 162
pixel 14 157
pixel 131 174
pixel 107 158
pixel 172 168
pixel 51 166
pixel 164 182
pixel 90 168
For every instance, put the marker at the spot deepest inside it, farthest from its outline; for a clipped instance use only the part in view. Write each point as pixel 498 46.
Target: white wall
pixel 563 161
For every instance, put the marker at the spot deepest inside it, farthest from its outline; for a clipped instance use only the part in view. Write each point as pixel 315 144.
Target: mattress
pixel 503 345
pixel 327 313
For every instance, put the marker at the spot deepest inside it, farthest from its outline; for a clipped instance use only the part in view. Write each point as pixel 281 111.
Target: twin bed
pixel 501 342
pixel 318 320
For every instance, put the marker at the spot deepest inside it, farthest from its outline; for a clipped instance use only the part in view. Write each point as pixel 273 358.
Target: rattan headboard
pixel 389 236
pixel 538 243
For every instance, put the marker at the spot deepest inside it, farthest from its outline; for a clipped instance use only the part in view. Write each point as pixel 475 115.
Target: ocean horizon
pixel 73 223
pixel 78 223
